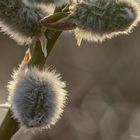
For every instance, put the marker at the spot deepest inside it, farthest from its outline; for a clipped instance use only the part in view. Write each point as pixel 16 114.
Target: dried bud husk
pixel 59 21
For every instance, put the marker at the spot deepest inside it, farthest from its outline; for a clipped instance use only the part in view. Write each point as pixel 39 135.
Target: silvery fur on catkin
pixel 102 19
pixel 37 97
pixel 19 21
pixel 45 3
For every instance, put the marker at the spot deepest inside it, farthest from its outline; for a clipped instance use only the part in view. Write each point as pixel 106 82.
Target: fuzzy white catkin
pixel 47 7
pixel 45 3
pixel 19 21
pixel 37 97
pixel 98 20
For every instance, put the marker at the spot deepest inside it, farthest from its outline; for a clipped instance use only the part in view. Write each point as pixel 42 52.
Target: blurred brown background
pixel 103 81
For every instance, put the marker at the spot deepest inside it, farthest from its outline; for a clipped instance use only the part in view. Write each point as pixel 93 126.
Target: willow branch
pixel 38 59
pixel 10 126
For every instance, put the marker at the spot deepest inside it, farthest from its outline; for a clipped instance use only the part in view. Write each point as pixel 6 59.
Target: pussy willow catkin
pixel 102 19
pixel 37 97
pixel 19 21
pixel 45 3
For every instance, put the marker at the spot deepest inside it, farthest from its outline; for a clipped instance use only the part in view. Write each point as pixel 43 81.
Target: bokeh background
pixel 103 80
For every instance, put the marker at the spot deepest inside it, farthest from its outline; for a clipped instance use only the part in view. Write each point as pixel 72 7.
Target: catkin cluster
pixel 92 20
pixel 37 96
